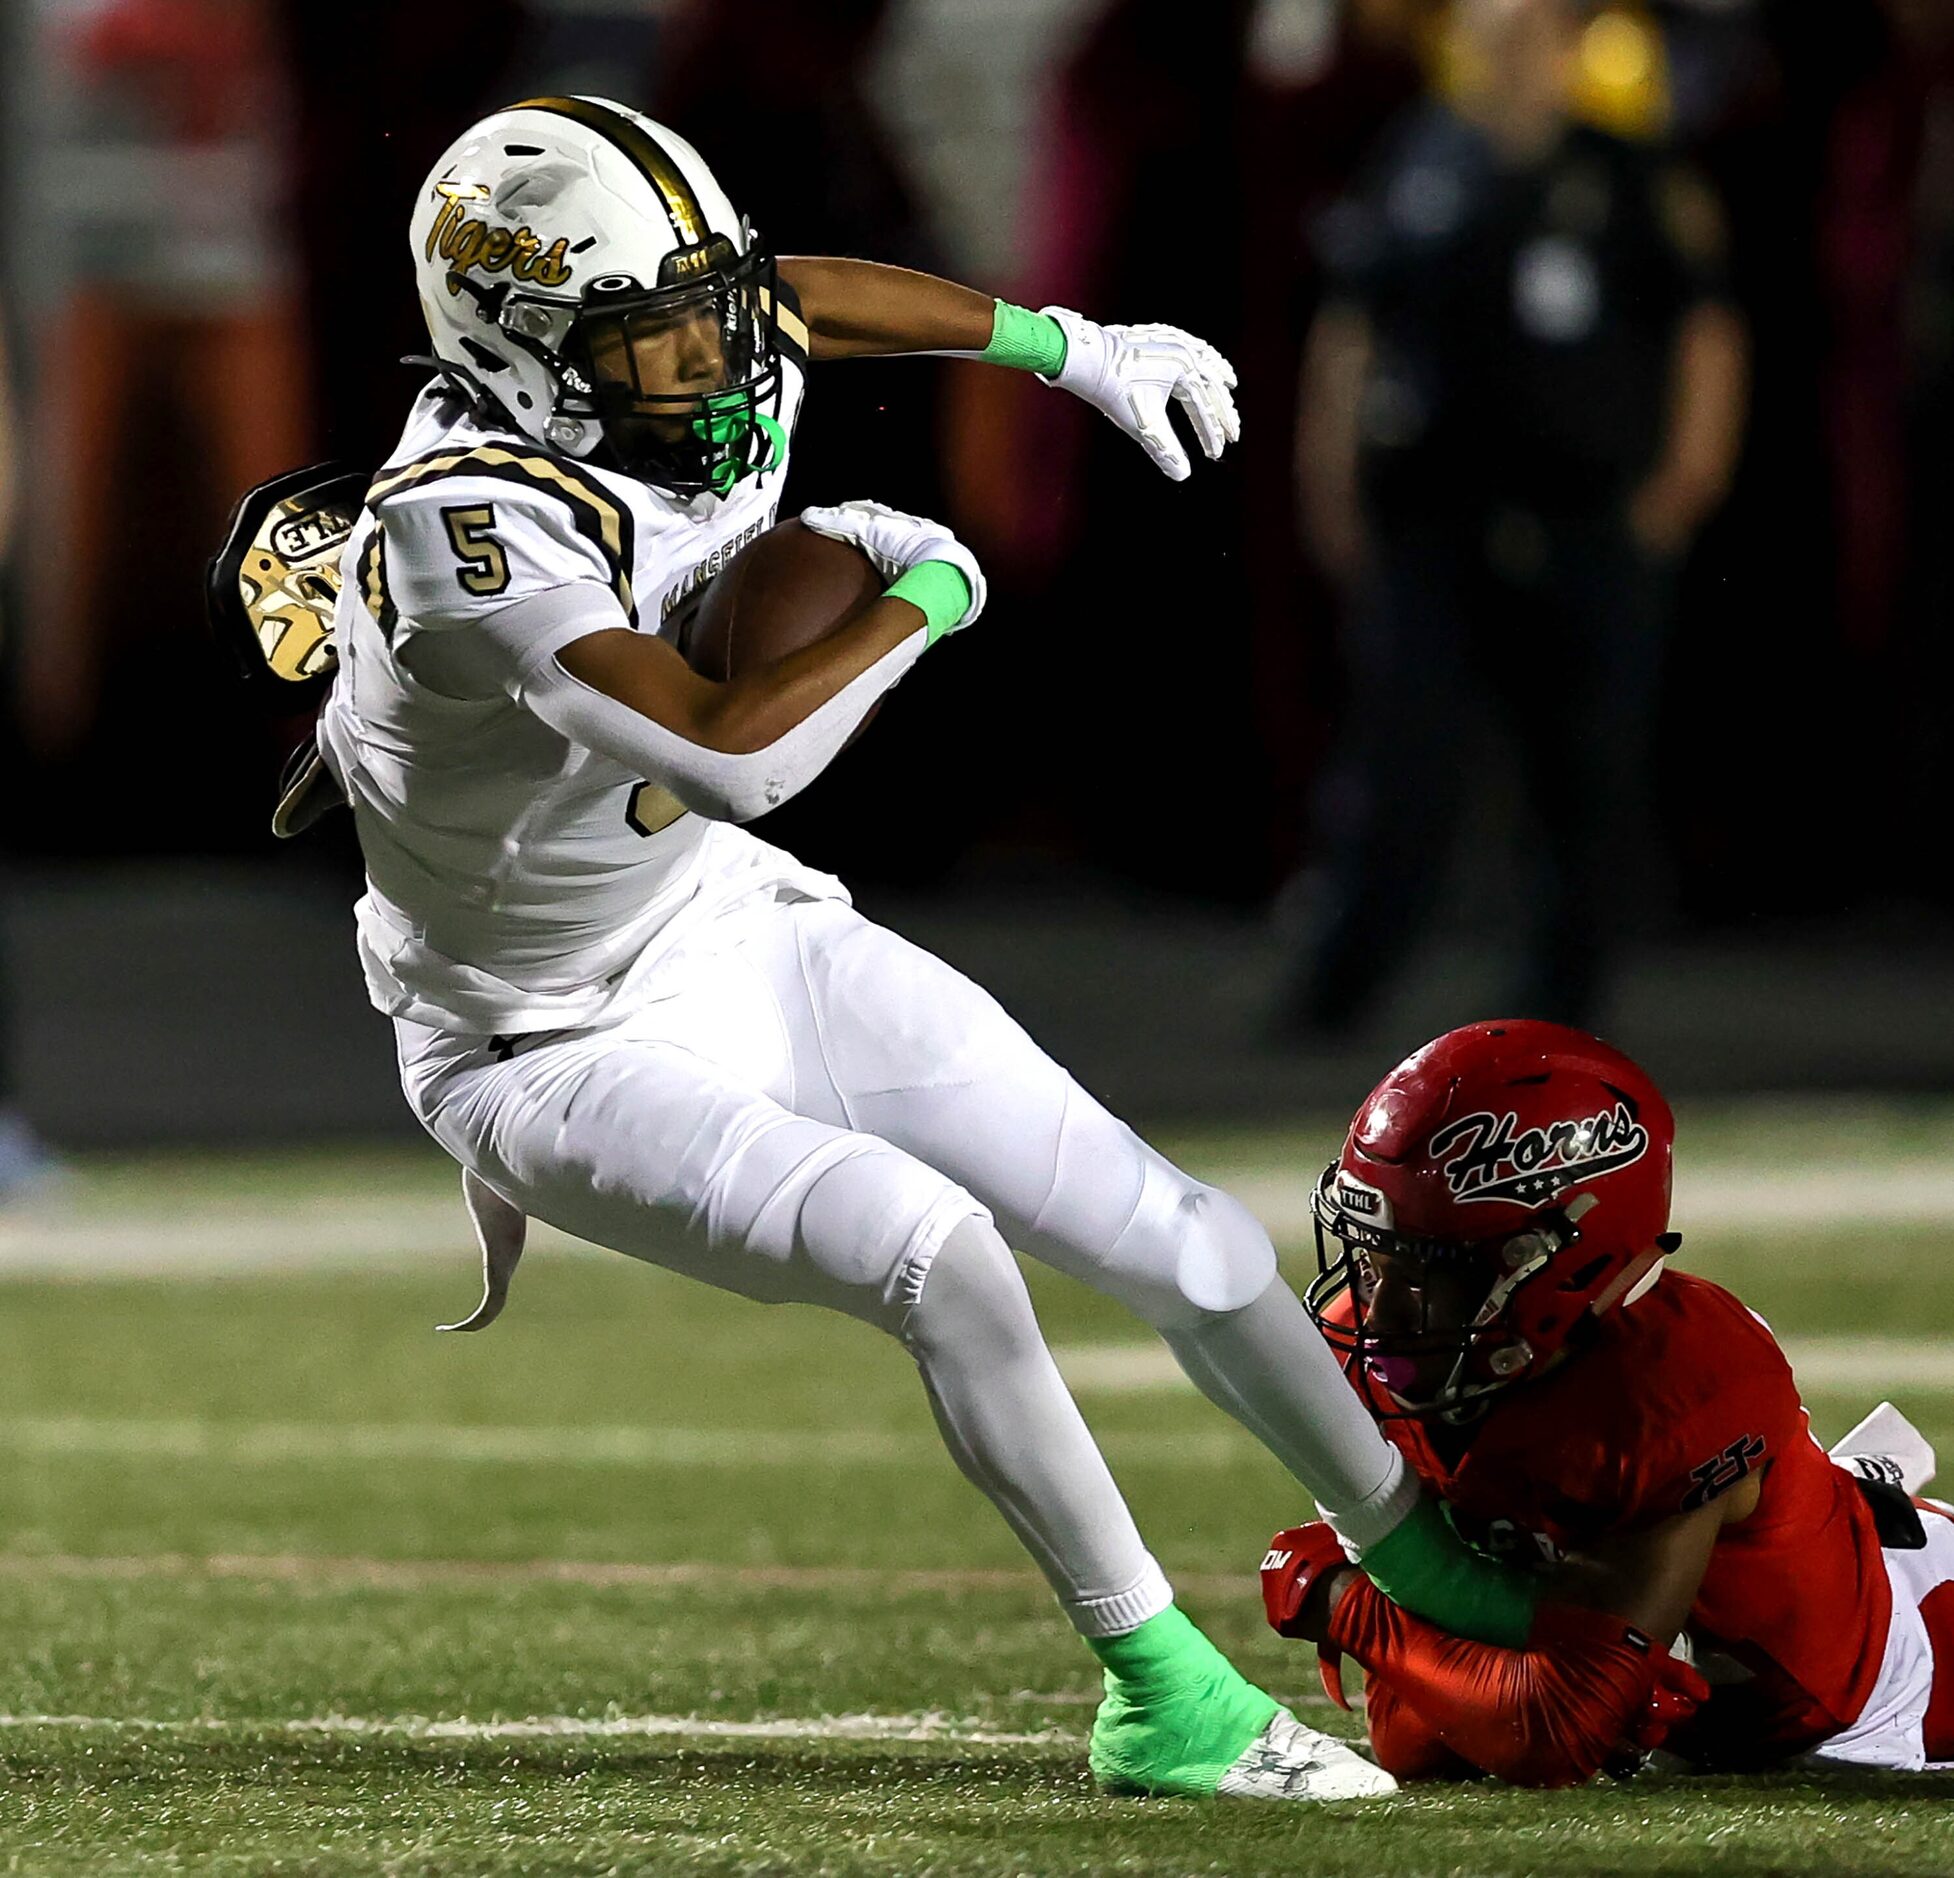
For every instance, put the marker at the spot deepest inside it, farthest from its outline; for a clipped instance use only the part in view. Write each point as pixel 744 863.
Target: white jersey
pixel 515 881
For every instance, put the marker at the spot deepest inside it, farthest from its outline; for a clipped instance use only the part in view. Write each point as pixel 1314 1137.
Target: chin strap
pixel 483 405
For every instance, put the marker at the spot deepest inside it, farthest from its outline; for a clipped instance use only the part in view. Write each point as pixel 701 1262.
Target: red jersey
pixel 1683 1394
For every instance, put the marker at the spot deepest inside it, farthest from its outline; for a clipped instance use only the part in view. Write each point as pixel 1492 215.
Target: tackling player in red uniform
pixel 1490 1242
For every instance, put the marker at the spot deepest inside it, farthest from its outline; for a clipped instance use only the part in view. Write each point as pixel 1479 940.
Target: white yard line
pixel 386 1574
pixel 1888 1364
pixel 1885 1365
pixel 327 1444
pixel 274 1443
pixel 928 1727
pixel 1725 1201
pixel 1119 1368
pixel 326 1232
pixel 1873 1365
pixel 215 1241
pixel 425 1574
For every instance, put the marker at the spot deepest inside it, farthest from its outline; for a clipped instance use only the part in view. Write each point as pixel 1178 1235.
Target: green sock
pixel 1165 1644
pixel 1177 1713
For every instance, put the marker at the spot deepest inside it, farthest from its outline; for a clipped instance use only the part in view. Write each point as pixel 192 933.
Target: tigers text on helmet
pixel 1498 1191
pixel 579 265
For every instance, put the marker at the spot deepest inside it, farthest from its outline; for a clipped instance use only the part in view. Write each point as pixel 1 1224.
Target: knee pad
pixel 1189 1252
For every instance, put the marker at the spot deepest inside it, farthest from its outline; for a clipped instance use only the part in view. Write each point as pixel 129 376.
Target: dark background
pixel 1096 798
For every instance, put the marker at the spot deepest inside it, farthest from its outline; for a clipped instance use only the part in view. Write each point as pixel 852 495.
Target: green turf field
pixel 647 1579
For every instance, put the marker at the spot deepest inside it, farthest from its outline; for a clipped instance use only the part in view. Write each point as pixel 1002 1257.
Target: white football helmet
pixel 579 266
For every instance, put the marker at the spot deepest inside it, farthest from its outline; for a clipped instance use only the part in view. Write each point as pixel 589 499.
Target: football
pixel 780 593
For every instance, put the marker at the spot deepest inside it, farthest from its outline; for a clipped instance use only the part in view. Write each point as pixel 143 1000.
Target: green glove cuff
pixel 1425 1566
pixel 1031 342
pixel 939 591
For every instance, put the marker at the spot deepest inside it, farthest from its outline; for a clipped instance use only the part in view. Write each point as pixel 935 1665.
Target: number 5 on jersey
pixel 484 569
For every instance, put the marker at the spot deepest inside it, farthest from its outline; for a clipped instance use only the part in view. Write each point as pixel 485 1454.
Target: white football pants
pixel 807 1109
pixel 1890 1729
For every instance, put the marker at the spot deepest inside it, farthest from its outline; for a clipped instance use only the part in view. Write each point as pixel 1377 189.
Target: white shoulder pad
pixel 466 532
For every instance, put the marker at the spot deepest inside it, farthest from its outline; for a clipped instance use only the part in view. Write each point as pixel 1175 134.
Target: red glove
pixel 1679 1691
pixel 1294 1564
pixel 1295 1561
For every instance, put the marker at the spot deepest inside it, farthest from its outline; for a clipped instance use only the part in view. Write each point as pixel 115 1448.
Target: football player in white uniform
pixel 624 1015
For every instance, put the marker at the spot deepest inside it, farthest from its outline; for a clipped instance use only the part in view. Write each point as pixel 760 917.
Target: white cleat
pixel 1287 1761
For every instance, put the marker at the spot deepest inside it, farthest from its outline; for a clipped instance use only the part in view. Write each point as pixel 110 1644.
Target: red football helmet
pixel 1518 1171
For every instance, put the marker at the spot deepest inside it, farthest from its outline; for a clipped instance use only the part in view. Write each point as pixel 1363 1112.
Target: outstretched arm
pixel 863 310
pixel 860 309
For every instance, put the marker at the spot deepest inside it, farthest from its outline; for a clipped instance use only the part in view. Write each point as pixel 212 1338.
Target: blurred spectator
pixel 1325 79
pixel 1137 209
pixel 1522 398
pixel 180 327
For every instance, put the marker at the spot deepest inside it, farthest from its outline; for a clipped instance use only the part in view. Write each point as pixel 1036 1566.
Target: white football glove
pixel 896 542
pixel 1130 372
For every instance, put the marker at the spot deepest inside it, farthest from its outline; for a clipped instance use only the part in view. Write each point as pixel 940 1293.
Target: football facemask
pixel 684 381
pixel 1426 1319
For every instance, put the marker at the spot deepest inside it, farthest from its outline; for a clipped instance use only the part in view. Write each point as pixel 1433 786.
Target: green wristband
pixel 939 591
pixel 1424 1565
pixel 1032 342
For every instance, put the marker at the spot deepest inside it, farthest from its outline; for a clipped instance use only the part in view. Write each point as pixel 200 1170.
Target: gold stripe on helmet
pixel 654 162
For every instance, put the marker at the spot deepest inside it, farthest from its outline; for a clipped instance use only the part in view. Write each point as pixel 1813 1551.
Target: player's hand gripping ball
pixel 896 542
pixel 1132 373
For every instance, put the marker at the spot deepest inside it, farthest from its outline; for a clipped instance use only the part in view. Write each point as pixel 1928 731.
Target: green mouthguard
pixel 729 418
